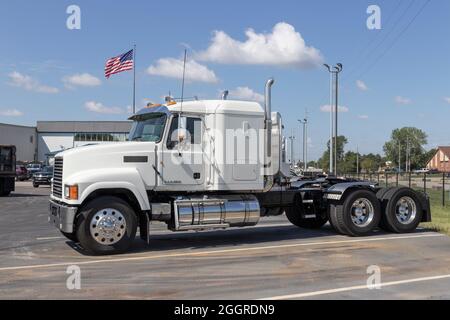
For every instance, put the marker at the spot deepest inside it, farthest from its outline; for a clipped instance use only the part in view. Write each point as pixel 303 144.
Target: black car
pixel 43 177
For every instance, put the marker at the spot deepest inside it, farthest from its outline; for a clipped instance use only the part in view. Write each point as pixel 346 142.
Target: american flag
pixel 118 64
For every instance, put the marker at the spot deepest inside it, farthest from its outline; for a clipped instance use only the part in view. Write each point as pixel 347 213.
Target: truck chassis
pixel 353 208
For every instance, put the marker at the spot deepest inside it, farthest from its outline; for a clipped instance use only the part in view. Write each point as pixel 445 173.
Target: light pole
pixel 292 138
pixel 357 161
pixel 305 147
pixel 334 74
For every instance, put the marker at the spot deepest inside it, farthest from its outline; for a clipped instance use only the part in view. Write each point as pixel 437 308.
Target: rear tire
pixel 357 214
pixel 294 215
pixel 106 225
pixel 402 210
pixel 35 185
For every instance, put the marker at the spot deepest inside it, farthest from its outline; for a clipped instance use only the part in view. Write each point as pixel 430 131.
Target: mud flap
pixel 144 226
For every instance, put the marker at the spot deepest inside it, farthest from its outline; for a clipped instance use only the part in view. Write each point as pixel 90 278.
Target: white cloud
pixel 11 113
pixel 98 107
pixel 447 99
pixel 402 100
pixel 173 68
pixel 363 117
pixel 361 85
pixel 81 80
pixel 284 46
pixel 245 93
pixel 28 83
pixel 328 108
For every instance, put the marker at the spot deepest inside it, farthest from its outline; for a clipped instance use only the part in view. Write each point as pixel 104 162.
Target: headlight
pixel 71 192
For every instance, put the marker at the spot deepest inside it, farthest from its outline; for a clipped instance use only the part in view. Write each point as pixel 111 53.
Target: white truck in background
pixel 211 164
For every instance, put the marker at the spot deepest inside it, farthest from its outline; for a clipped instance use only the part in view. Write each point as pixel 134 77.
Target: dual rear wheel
pixel 396 209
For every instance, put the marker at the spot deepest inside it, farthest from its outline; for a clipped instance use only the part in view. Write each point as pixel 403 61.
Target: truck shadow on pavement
pixel 25 195
pixel 234 238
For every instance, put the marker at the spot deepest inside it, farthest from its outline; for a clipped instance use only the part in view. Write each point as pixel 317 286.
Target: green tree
pixel 371 162
pixel 402 139
pixel 426 157
pixel 324 161
pixel 348 165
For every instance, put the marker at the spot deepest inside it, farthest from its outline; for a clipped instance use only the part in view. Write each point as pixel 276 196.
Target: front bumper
pixel 61 216
pixel 42 180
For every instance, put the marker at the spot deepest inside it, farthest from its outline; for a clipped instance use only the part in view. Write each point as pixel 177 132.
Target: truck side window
pixel 191 129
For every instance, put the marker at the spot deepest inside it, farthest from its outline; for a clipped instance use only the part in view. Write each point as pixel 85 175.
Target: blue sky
pixel 48 72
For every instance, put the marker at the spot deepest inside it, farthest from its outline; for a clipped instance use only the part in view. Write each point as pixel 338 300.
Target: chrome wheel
pixel 405 210
pixel 362 212
pixel 108 226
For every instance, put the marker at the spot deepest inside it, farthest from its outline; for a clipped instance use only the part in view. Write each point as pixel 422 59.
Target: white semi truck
pixel 212 164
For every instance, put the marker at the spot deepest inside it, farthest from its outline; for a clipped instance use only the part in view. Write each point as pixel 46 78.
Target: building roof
pixel 83 126
pixel 16 125
pixel 445 150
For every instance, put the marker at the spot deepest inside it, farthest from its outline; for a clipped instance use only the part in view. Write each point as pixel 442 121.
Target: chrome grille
pixel 57 177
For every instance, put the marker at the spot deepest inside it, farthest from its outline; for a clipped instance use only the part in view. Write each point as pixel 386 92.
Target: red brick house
pixel 441 160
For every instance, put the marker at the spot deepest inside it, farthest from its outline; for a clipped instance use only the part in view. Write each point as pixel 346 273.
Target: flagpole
pixel 134 79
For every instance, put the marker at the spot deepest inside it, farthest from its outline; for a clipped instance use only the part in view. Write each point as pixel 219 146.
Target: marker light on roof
pixel 152 105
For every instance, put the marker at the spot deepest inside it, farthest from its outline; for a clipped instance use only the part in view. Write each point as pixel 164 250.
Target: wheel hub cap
pixel 405 210
pixel 108 226
pixel 362 212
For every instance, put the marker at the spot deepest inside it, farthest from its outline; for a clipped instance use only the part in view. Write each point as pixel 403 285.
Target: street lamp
pixel 305 147
pixel 334 74
pixel 292 138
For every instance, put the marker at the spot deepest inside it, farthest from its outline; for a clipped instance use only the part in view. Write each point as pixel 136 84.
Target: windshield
pixel 149 127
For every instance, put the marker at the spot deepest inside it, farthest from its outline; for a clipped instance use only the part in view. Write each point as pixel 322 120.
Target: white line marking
pixel 361 287
pixel 200 253
pixel 49 238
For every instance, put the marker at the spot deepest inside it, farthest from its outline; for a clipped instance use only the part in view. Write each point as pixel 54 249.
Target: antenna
pixel 182 86
pixel 181 104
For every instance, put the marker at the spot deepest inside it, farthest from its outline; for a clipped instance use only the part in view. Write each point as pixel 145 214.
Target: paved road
pixel 273 260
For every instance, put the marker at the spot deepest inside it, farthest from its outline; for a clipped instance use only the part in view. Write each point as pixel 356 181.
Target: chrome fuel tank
pixel 218 211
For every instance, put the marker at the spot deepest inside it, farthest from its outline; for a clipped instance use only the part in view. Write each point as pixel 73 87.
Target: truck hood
pixel 119 156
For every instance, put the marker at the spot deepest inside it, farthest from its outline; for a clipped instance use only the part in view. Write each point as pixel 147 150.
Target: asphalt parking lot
pixel 272 260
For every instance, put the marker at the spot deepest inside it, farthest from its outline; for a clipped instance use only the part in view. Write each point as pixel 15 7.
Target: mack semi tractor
pixel 209 164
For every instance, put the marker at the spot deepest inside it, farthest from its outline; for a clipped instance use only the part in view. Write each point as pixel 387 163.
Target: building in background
pixel 50 137
pixel 23 137
pixel 440 160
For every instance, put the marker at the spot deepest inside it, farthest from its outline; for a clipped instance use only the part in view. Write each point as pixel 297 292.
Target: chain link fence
pixel 436 185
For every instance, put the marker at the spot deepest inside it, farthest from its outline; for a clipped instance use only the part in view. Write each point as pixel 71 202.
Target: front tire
pixel 35 185
pixel 357 214
pixel 106 225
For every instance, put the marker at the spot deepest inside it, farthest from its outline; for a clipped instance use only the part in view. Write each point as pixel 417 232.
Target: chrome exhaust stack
pixel 268 115
pixel 268 178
